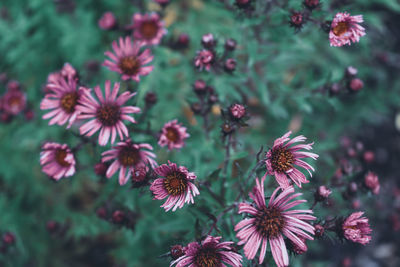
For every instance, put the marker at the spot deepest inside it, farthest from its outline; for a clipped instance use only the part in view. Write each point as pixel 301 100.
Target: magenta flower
pixel 173 135
pixel 345 29
pixel 282 158
pixel 371 181
pixel 106 116
pixel 128 157
pixel 107 21
pixel 204 59
pixel 270 223
pixel 148 28
pixel 209 253
pixel 57 160
pixel 176 184
pixel 237 111
pixel 62 97
pixel 13 101
pixel 356 228
pixel 127 60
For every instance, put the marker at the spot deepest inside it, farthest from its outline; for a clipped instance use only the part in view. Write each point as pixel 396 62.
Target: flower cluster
pixel 208 57
pixel 272 223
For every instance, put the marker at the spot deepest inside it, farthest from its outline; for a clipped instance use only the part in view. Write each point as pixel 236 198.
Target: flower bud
pixel 204 60
pixel 208 41
pixel 351 71
pixel 100 168
pixel 107 21
pixel 200 87
pixel 371 181
pixel 322 193
pixel 319 230
pixel 196 108
pixel 213 98
pixel 311 4
pixel 230 44
pixel 118 217
pixel 230 65
pixel 369 156
pixel 237 111
pixel 101 212
pixel 296 20
pixel 183 41
pixel 139 175
pixel 176 252
pixel 356 85
pixel 227 128
pixel 8 238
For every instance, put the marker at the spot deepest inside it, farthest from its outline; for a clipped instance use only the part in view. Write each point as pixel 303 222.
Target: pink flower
pixel 62 97
pixel 371 181
pixel 106 116
pixel 57 160
pixel 127 60
pixel 107 21
pixel 128 158
pixel 356 228
pixel 13 101
pixel 345 29
pixel 148 28
pixel 173 135
pixel 323 192
pixel 209 253
pixel 237 111
pixel 282 158
pixel 176 184
pixel 270 223
pixel 204 59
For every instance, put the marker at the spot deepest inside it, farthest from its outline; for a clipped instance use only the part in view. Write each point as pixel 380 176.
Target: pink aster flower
pixel 176 184
pixel 204 59
pixel 282 158
pixel 173 135
pixel 371 181
pixel 106 116
pixel 356 228
pixel 345 29
pixel 148 28
pixel 128 60
pixel 107 21
pixel 269 223
pixel 209 253
pixel 57 160
pixel 62 97
pixel 13 101
pixel 128 158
